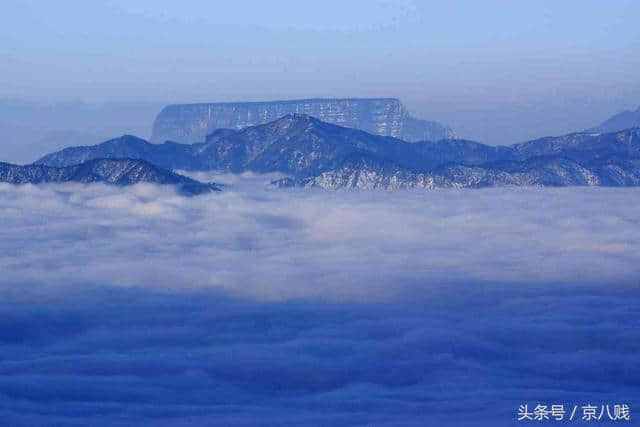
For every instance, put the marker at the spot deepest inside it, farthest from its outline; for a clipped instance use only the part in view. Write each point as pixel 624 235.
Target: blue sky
pixel 489 69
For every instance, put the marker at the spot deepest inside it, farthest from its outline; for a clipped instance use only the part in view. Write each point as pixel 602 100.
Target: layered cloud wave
pixel 136 306
pixel 278 244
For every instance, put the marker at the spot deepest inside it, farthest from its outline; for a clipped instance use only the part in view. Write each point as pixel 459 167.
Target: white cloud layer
pixel 447 308
pixel 278 244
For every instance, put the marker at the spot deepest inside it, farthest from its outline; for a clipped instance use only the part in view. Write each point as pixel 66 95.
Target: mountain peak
pixel 293 122
pixel 296 118
pixel 128 136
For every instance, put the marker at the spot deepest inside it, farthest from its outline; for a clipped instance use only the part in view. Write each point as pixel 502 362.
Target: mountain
pixel 109 171
pixel 299 144
pixel 168 155
pixel 585 159
pixel 620 121
pixel 362 171
pixel 372 173
pixel 380 116
pixel 583 145
pixel 294 144
pixel 319 154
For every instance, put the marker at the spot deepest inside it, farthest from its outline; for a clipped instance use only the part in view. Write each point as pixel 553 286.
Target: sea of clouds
pixel 261 306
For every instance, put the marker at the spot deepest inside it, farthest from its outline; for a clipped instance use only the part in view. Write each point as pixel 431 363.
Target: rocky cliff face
pixel 379 116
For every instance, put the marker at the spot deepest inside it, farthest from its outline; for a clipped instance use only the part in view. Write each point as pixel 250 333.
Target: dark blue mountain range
pixel 109 171
pixel 315 153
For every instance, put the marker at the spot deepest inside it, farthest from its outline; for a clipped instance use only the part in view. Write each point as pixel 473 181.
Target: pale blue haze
pixel 496 71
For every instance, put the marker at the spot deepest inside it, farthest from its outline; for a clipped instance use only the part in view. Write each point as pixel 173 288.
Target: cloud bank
pixel 125 357
pixel 277 244
pixel 135 306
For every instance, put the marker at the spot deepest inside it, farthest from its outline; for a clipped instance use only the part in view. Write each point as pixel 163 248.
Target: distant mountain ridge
pixel 372 173
pixel 318 154
pixel 294 144
pixel 110 171
pixel 618 122
pixel 191 123
pixel 168 155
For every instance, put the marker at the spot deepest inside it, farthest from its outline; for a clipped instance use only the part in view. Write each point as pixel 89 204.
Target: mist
pixel 257 306
pixel 31 129
pixel 268 243
pixel 496 72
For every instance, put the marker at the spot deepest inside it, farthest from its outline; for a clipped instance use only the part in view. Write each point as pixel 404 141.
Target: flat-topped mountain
pixel 109 171
pixel 380 116
pixel 315 153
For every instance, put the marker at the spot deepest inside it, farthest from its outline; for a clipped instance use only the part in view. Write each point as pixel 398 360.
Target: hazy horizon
pixel 496 72
pixel 77 122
